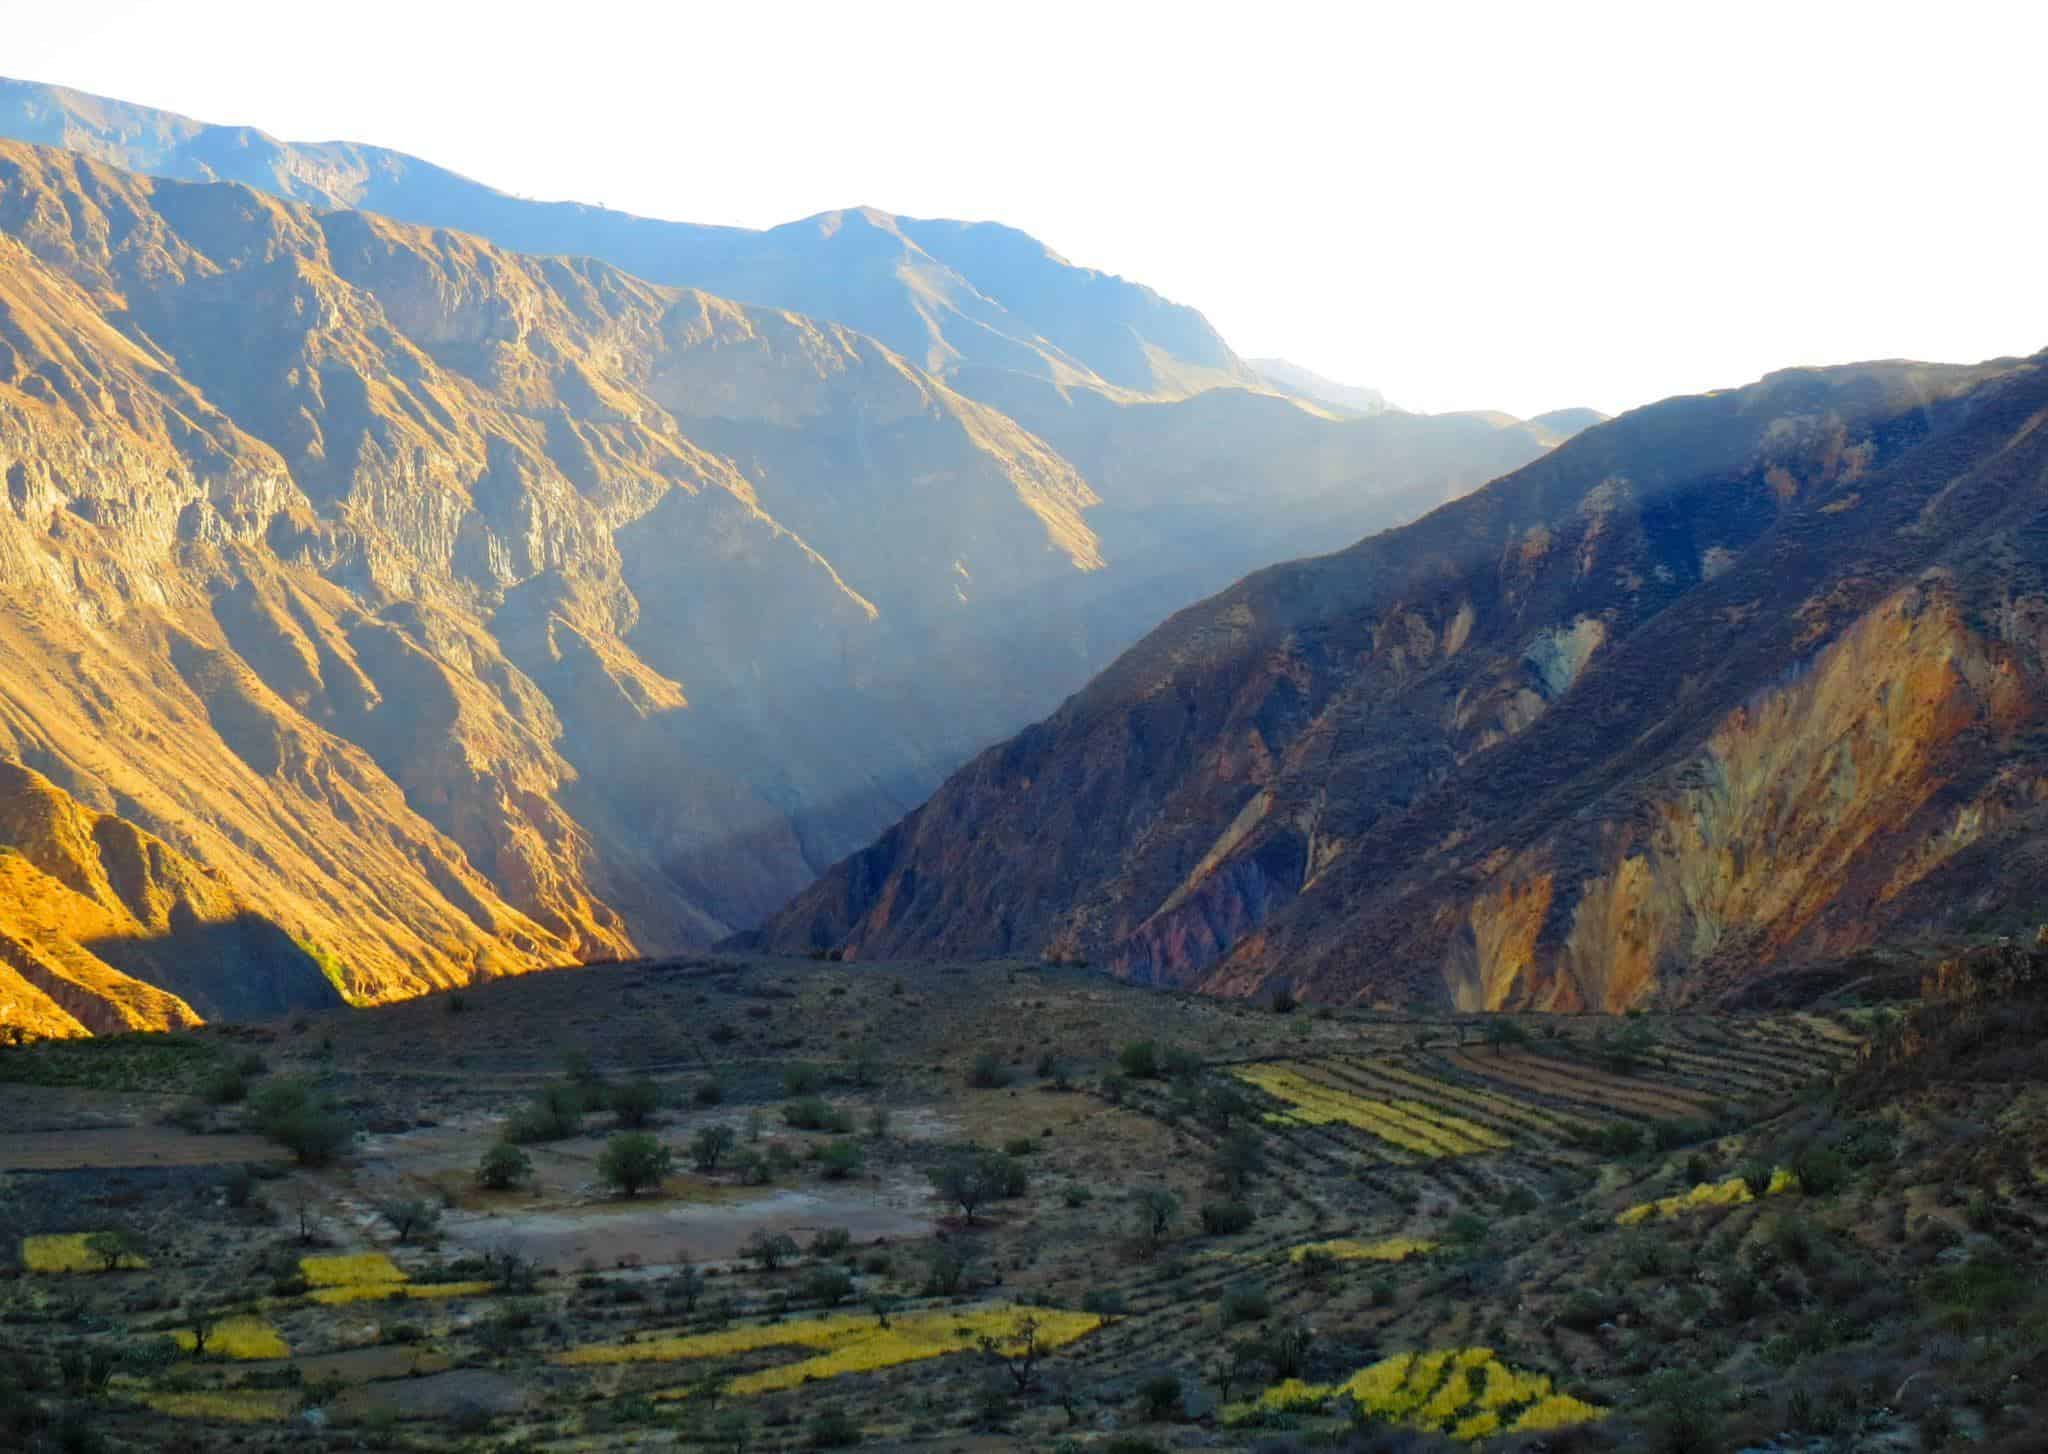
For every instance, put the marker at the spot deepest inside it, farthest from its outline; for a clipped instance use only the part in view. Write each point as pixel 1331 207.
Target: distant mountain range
pixel 954 298
pixel 1723 687
pixel 386 607
pixel 1292 378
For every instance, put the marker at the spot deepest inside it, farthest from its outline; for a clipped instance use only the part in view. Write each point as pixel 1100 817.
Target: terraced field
pixel 1434 1222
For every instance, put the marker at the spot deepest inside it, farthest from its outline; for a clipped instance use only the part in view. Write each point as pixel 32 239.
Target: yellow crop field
pixel 1348 1249
pixel 370 1292
pixel 264 1406
pixel 1464 1392
pixel 67 1252
pixel 847 1343
pixel 1733 1192
pixel 241 1337
pixel 1410 1125
pixel 1506 1107
pixel 355 1269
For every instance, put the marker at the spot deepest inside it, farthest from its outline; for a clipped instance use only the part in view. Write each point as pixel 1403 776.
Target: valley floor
pixel 998 1206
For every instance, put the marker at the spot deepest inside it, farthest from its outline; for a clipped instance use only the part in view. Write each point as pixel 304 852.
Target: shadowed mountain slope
pixel 1726 682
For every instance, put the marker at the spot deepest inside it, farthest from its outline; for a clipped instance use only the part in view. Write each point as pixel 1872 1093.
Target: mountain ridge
pixel 1315 779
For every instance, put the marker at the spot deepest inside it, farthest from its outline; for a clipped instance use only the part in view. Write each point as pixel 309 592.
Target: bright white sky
pixel 1515 206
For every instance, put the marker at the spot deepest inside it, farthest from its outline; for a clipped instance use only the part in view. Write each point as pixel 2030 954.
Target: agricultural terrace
pixel 729 1204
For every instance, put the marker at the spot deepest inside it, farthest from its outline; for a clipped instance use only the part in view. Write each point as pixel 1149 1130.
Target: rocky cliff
pixel 1722 685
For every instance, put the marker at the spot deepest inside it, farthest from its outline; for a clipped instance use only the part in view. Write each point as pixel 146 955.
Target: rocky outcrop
pixel 1723 685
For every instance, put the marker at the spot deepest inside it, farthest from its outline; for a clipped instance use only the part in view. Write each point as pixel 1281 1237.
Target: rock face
pixel 1725 684
pixel 432 611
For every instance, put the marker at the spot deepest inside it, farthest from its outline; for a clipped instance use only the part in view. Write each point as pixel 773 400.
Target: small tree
pixel 1018 1354
pixel 503 1167
pixel 111 1249
pixel 410 1217
pixel 1287 1350
pixel 291 1114
pixel 1504 1034
pixel 769 1250
pixel 1241 1157
pixel 633 1160
pixel 635 1102
pixel 1154 1211
pixel 710 1145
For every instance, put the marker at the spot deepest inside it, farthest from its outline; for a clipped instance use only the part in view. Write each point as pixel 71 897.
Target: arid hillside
pixel 1726 684
pixel 435 612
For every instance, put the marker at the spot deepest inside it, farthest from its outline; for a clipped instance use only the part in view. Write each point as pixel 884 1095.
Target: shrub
pixel 1821 1172
pixel 224 1087
pixel 813 1113
pixel 834 1429
pixel 838 1160
pixel 1248 1304
pixel 635 1102
pixel 988 1072
pixel 828 1286
pixel 1021 1146
pixel 633 1160
pixel 503 1167
pixel 710 1145
pixel 709 1091
pixel 290 1113
pixel 1139 1060
pixel 1180 1062
pixel 832 1242
pixel 238 1186
pixel 802 1080
pixel 1222 1219
pixel 1160 1398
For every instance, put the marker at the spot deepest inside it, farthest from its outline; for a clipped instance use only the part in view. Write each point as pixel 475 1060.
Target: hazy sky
pixel 1517 206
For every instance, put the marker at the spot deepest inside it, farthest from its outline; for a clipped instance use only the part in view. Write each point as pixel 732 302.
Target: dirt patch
pixel 438 1395
pixel 606 1233
pixel 127 1147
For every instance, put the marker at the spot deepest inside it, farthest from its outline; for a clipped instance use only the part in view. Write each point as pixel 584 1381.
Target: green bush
pixel 1139 1060
pixel 632 1161
pixel 634 1104
pixel 838 1160
pixel 1225 1218
pixel 503 1167
pixel 814 1113
pixel 293 1115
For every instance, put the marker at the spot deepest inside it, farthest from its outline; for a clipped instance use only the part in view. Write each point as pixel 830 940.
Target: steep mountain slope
pixel 945 295
pixel 454 612
pixel 1726 682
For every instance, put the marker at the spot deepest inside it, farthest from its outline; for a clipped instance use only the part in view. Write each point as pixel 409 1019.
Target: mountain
pixel 1725 685
pixel 951 297
pixel 385 609
pixel 1292 378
